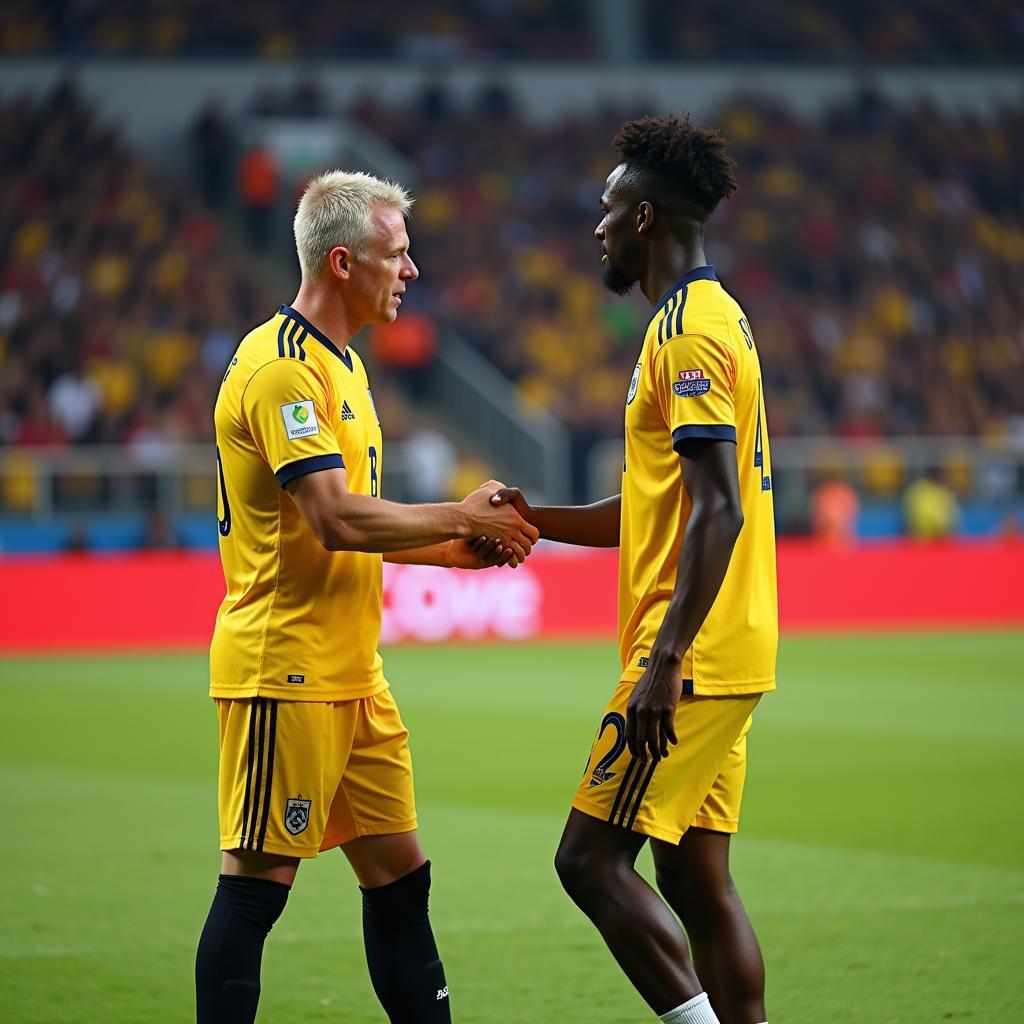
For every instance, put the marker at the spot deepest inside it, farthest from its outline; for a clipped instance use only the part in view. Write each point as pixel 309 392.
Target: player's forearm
pixel 361 523
pixel 707 548
pixel 595 526
pixel 432 554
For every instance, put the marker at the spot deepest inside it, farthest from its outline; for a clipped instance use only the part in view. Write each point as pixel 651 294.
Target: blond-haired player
pixel 698 620
pixel 313 753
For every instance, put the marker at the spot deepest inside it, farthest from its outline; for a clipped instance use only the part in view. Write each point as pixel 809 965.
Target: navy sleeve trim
pixel 314 464
pixel 702 432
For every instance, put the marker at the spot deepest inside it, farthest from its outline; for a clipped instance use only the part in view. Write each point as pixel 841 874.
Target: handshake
pixel 501 528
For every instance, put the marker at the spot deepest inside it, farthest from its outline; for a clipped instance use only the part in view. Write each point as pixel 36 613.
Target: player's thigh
pixel 720 809
pixel 660 798
pixel 376 795
pixel 280 766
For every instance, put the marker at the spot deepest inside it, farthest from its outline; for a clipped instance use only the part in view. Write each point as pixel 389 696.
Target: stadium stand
pixel 520 28
pixel 876 251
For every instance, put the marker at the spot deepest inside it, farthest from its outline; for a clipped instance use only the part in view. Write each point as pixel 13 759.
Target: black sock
pixel 406 972
pixel 230 949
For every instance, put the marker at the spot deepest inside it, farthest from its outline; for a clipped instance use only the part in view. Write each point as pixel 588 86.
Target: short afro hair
pixel 688 158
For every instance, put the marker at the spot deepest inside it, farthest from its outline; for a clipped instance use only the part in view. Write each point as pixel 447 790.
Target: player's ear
pixel 339 262
pixel 644 217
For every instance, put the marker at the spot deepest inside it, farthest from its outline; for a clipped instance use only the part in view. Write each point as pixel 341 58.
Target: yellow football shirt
pixel 298 622
pixel 698 377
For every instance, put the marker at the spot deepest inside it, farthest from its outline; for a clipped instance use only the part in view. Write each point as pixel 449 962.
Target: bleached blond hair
pixel 335 210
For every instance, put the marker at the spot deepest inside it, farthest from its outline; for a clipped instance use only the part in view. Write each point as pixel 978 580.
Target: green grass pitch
pixel 881 854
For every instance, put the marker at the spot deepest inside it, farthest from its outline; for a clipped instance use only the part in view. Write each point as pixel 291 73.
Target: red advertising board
pixel 164 601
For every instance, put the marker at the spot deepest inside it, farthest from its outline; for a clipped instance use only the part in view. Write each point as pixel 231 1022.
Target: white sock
pixel 694 1011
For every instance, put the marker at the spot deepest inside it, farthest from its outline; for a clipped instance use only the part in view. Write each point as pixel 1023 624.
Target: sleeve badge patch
pixel 633 385
pixel 691 384
pixel 299 419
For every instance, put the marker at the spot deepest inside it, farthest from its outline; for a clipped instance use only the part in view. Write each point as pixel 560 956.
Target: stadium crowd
pixel 520 28
pixel 876 252
pixel 119 304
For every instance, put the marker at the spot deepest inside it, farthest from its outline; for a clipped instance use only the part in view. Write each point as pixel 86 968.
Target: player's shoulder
pixel 277 349
pixel 695 306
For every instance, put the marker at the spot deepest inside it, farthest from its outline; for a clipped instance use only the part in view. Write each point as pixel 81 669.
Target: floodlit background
pixel 151 155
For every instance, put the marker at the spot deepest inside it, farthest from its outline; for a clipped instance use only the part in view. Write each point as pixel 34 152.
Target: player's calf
pixel 405 969
pixel 244 910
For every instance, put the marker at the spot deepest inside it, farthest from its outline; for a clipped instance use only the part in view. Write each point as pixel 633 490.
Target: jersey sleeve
pixel 288 413
pixel 694 378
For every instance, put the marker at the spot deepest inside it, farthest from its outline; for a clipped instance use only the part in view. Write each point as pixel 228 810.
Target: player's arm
pixel 694 378
pixel 286 407
pixel 711 479
pixel 344 521
pixel 481 553
pixel 593 526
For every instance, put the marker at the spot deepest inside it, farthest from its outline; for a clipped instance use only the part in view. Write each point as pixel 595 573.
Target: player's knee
pixel 577 868
pixel 407 896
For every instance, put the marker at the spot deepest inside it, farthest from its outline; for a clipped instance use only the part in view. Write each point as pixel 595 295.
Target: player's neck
pixel 326 313
pixel 667 266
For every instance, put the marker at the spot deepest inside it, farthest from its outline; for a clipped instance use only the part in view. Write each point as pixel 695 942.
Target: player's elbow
pixel 331 533
pixel 723 512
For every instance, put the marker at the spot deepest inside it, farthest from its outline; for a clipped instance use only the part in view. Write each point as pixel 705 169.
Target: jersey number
pixel 373 472
pixel 601 772
pixel 766 480
pixel 223 522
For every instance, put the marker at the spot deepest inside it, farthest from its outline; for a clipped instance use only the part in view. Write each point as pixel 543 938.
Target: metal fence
pixel 40 485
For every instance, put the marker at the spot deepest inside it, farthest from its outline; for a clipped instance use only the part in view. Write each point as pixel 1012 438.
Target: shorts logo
pixel 299 419
pixel 295 677
pixel 442 993
pixel 296 815
pixel 633 385
pixel 691 384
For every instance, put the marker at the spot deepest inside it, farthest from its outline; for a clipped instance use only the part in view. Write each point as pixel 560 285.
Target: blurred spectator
pixel 258 180
pixel 930 508
pixel 211 154
pixel 406 348
pixel 159 534
pixel 432 461
pixel 835 510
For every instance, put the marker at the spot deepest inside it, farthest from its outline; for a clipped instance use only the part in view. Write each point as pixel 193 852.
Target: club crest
pixel 296 815
pixel 633 385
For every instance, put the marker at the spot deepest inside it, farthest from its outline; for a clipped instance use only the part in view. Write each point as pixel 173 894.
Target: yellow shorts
pixel 700 782
pixel 298 777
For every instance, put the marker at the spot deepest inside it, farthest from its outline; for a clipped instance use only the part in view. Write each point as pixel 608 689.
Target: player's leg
pixel 401 953
pixel 251 894
pixel 595 862
pixel 694 877
pixel 373 819
pixel 273 810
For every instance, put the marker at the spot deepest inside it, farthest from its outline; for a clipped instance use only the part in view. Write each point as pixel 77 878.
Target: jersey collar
pixel 345 357
pixel 697 274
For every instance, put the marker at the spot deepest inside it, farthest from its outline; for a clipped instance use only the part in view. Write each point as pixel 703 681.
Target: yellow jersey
pixel 698 377
pixel 298 622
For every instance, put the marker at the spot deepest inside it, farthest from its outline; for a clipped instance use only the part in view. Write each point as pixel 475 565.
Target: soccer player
pixel 698 627
pixel 313 753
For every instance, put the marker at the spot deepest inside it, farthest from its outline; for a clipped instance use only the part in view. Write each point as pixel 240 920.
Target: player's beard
pixel 615 280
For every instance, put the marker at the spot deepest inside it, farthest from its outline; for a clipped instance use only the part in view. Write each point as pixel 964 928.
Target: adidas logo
pixel 346 412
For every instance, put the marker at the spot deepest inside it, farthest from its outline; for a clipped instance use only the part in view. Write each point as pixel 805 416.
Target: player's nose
pixel 599 231
pixel 410 271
